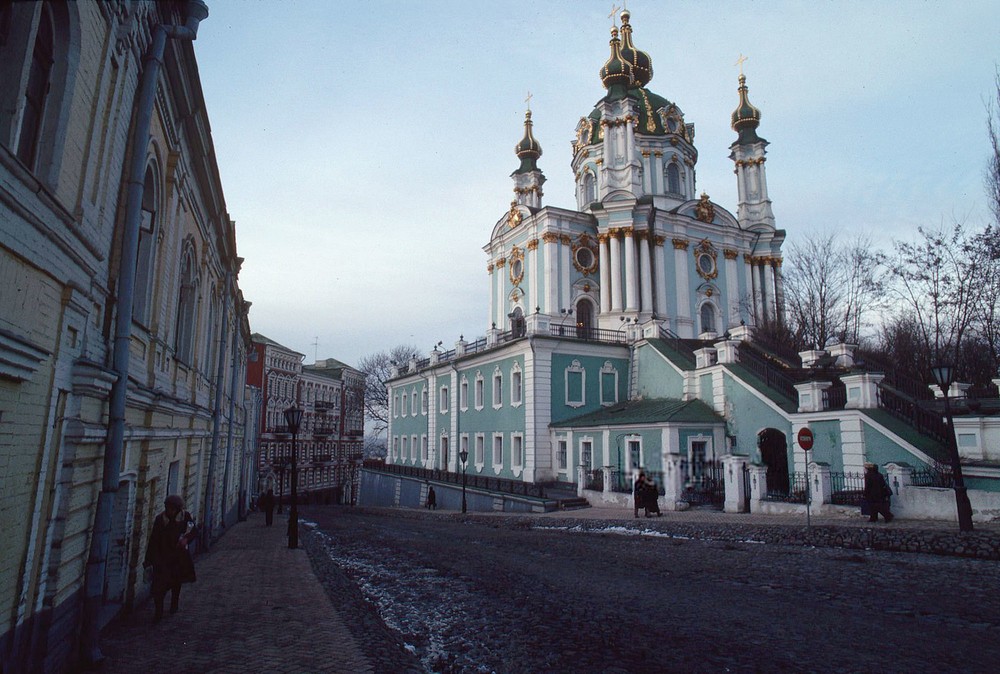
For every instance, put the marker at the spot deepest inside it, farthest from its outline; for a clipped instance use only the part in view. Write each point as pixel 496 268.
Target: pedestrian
pixel 432 500
pixel 652 498
pixel 167 553
pixel 639 493
pixel 267 505
pixel 877 494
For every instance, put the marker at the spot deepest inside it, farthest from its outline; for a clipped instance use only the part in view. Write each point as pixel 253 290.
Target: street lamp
pixel 293 417
pixel 943 377
pixel 464 457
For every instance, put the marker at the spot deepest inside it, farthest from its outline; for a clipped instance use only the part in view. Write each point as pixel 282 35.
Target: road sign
pixel 805 438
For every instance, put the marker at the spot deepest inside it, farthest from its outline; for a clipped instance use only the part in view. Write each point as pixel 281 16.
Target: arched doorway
pixel 773 448
pixel 584 318
pixel 517 327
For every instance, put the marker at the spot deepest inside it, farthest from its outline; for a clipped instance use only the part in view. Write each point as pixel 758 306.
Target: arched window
pixel 517 324
pixel 186 301
pixel 39 79
pixel 707 317
pixel 584 319
pixel 589 188
pixel 144 258
pixel 673 178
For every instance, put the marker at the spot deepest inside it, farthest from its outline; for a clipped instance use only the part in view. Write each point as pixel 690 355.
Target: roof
pixel 650 411
pixel 258 338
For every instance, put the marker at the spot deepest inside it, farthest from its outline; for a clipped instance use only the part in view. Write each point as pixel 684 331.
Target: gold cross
pixel 614 10
pixel 740 61
pixel 528 101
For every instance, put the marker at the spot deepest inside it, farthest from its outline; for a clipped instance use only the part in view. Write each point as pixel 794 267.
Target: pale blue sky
pixel 365 148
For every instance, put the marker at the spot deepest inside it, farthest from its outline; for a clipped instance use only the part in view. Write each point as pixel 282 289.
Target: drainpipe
pixel 220 380
pixel 100 541
pixel 234 378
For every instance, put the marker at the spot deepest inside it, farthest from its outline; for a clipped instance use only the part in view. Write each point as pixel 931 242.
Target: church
pixel 622 338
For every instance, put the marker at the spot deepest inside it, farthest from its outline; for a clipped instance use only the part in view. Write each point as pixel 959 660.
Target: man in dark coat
pixel 431 499
pixel 639 493
pixel 167 553
pixel 267 505
pixel 877 494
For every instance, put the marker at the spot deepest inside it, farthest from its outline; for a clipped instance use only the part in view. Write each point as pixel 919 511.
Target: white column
pixel 602 245
pixel 645 274
pixel 531 270
pixel 732 288
pixel 657 168
pixel 683 289
pixel 551 268
pixel 756 290
pixel 769 290
pixel 501 306
pixel 565 288
pixel 660 275
pixel 616 270
pixel 631 284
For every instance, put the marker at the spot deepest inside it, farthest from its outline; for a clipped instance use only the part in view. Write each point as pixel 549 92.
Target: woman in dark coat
pixel 639 493
pixel 167 553
pixel 877 494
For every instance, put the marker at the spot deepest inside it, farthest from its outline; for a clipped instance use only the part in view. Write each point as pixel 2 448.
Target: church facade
pixel 621 330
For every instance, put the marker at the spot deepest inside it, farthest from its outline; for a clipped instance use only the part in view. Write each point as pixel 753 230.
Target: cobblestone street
pixel 530 594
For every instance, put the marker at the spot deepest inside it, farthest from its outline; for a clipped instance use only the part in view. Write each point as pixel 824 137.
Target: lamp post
pixel 293 417
pixel 464 456
pixel 943 377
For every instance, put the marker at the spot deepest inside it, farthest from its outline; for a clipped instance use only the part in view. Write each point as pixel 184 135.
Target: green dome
pixel 639 61
pixel 746 117
pixel 616 73
pixel 528 149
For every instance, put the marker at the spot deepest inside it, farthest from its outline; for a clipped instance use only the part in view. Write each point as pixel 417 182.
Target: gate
pixel 746 486
pixel 705 484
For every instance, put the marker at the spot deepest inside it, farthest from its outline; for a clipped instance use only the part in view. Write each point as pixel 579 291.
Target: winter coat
pixel 876 488
pixel 167 551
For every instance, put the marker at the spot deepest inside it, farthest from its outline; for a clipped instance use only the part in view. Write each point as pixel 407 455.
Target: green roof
pixel 652 411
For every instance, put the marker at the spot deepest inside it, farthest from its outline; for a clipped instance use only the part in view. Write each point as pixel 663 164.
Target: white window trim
pixel 395 447
pixel 424 395
pixel 497 467
pixel 445 439
pixel 413 401
pixel 497 375
pixel 564 468
pixel 608 369
pixel 573 368
pixel 425 453
pixel 628 453
pixel 517 468
pixel 516 370
pixel 445 402
pixel 480 457
pixel 579 450
pixel 414 450
pixel 463 386
pixel 480 391
pixel 403 407
pixel 403 448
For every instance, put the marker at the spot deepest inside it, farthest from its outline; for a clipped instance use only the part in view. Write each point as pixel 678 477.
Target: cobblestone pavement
pixel 542 593
pixel 256 607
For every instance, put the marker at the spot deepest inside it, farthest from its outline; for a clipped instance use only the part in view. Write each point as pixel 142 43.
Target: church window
pixel 515 385
pixel 479 390
pixel 575 381
pixel 463 394
pixel 516 450
pixel 589 188
pixel 480 459
pixel 707 317
pixel 186 302
pixel 673 178
pixel 609 384
pixel 517 325
pixel 587 454
pixel 497 451
pixel 561 455
pixel 444 400
pixel 584 257
pixel 497 389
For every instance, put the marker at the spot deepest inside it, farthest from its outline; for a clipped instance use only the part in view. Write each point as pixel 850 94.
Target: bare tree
pixel 832 289
pixel 377 367
pixel 993 163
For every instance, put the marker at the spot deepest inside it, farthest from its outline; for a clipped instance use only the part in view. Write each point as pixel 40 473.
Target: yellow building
pixel 117 256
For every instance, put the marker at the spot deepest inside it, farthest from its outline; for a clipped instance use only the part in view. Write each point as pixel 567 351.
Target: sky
pixel 365 148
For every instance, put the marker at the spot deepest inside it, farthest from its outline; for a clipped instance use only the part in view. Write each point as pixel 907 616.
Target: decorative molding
pixel 614 231
pixel 565 240
pixel 602 238
pixel 489 268
pixel 704 211
pixel 19 358
pixel 705 260
pixel 501 262
pixel 680 244
pixel 627 232
pixel 532 244
pixel 659 239
pixel 730 254
pixel 550 237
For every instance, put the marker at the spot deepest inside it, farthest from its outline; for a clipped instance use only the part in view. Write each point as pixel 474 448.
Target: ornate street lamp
pixel 293 417
pixel 464 456
pixel 943 376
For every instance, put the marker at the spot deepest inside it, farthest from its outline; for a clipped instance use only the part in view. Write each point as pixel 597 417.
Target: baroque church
pixel 623 338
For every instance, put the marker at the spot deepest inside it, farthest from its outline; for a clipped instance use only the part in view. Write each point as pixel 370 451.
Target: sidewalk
pixel 256 607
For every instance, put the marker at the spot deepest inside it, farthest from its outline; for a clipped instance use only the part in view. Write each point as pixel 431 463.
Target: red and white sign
pixel 805 438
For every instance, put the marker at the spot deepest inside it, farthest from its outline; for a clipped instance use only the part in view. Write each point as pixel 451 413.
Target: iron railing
pixel 835 397
pixel 588 334
pixel 493 484
pixel 847 488
pixel 936 476
pixel 781 350
pixel 678 345
pixel 594 480
pixel 924 421
pixel 786 487
pixel 768 372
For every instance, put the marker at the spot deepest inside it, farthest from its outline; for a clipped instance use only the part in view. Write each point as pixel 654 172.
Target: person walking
pixel 267 505
pixel 652 498
pixel 877 494
pixel 432 501
pixel 639 493
pixel 167 553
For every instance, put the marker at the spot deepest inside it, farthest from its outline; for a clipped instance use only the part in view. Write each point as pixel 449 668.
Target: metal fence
pixel 936 476
pixel 494 484
pixel 594 480
pixel 785 487
pixel 847 488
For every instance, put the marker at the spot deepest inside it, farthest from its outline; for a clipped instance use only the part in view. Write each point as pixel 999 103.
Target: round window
pixel 516 270
pixel 706 263
pixel 584 257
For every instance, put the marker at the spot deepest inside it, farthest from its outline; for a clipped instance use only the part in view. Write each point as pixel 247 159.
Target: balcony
pixel 323 431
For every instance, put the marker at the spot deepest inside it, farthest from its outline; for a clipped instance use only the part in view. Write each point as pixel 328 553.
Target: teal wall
pixel 658 379
pixel 827 445
pixel 592 365
pixel 882 450
pixel 753 416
